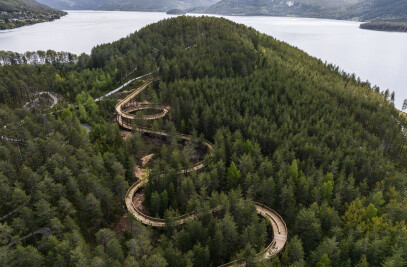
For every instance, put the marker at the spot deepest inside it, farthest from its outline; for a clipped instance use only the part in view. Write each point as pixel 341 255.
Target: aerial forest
pixel 324 149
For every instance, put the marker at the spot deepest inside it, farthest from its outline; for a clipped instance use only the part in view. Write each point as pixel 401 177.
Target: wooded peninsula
pixel 385 26
pixel 18 13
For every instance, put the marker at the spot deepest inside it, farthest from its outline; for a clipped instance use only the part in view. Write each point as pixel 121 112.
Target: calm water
pixel 379 57
pixel 77 32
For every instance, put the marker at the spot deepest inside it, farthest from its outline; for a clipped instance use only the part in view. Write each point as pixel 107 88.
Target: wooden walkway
pixel 125 119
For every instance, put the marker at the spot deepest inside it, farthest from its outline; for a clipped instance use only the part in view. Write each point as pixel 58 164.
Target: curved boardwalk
pixel 124 118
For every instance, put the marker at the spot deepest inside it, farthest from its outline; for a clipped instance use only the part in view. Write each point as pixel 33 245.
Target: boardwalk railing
pixel 123 108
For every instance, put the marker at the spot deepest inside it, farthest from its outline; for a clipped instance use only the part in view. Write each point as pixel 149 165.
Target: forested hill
pixel 127 5
pixel 17 13
pixel 325 150
pixel 361 10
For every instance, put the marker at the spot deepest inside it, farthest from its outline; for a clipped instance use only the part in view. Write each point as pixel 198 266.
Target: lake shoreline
pixel 340 43
pixel 385 26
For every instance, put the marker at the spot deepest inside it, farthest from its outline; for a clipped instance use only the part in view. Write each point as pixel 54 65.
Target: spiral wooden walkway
pixel 125 119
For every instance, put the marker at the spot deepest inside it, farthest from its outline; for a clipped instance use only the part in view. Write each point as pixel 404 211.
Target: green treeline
pixel 385 26
pixel 176 12
pixel 319 146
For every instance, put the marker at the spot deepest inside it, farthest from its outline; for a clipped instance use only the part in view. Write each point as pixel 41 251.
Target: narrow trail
pixel 43 231
pixel 13 211
pixel 29 105
pixel 125 119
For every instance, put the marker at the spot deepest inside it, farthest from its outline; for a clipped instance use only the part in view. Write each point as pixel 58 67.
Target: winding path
pixel 31 104
pixel 43 231
pixel 13 211
pixel 125 119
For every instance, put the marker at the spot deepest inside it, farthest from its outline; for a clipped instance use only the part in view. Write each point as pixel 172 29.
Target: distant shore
pixel 385 26
pixel 176 12
pixel 18 20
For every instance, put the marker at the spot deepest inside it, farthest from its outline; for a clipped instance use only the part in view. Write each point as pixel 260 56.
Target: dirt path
pixel 146 159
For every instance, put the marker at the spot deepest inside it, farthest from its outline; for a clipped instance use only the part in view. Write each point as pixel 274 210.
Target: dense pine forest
pixel 324 149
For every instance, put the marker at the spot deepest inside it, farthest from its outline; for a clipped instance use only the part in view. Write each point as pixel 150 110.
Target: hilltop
pixel 17 13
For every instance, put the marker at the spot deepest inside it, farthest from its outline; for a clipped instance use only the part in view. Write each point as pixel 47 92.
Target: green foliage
pixel 321 147
pixel 327 187
pixel 324 262
pixel 233 176
pixel 293 253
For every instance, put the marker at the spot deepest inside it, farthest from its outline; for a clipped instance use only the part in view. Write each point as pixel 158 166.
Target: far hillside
pixel 176 12
pixel 360 10
pixel 128 5
pixel 357 10
pixel 18 13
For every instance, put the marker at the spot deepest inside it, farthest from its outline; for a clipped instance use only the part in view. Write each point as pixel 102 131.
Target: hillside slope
pixel 127 5
pixel 336 9
pixel 381 10
pixel 17 13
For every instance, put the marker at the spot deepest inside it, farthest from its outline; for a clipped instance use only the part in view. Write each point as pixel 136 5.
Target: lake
pixel 379 57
